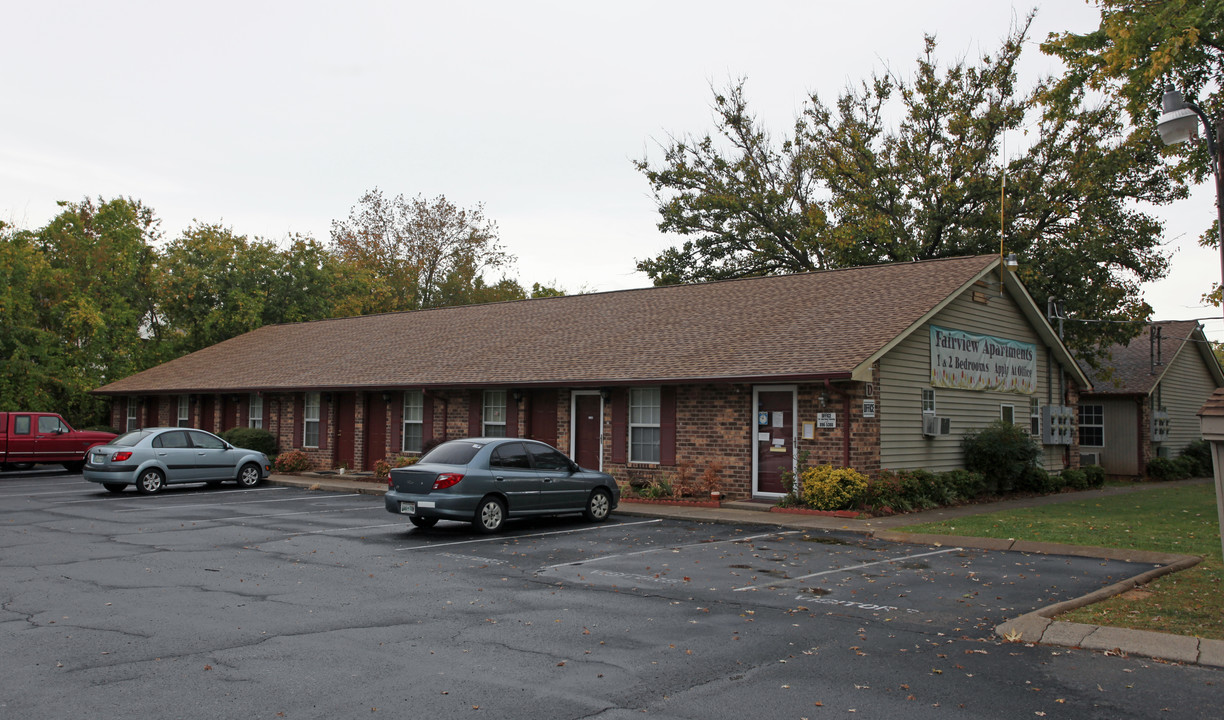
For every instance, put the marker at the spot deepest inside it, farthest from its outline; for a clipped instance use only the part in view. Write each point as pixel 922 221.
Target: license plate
pixel 99 459
pixel 407 508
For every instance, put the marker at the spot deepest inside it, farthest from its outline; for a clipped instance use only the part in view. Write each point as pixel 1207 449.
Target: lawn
pixel 1167 519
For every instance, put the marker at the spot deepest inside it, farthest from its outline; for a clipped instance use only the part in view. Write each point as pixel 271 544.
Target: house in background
pixel 1146 396
pixel 875 367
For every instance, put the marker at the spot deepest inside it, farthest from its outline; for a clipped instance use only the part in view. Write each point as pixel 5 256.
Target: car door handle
pixel 499 478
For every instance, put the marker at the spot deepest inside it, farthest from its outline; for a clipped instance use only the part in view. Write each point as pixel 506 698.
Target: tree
pixel 30 366
pixel 418 253
pixel 846 189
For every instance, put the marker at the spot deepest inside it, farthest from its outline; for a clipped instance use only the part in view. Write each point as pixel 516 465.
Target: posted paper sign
pixel 969 361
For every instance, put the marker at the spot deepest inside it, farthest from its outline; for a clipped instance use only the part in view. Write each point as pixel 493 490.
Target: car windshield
pixel 458 452
pixel 128 439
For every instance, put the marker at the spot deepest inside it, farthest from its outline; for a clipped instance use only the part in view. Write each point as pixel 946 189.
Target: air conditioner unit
pixel 933 425
pixel 1090 458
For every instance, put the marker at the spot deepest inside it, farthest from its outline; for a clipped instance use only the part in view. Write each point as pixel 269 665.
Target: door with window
pixel 773 424
pixel 514 476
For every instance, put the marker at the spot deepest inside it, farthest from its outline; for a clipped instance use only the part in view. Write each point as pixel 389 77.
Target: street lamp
pixel 1177 123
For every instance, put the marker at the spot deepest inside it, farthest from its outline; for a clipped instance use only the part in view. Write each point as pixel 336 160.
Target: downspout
pixel 845 396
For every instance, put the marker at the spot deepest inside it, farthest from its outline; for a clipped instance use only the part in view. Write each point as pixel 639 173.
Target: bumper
pixel 443 507
pixel 111 474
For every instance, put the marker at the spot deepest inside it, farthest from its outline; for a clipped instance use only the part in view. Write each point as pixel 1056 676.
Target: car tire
pixel 248 476
pixel 490 515
pixel 423 522
pixel 598 507
pixel 115 487
pixel 150 481
pixel 74 467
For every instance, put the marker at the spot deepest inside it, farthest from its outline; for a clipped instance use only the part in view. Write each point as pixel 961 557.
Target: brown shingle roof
pixel 1129 370
pixel 796 326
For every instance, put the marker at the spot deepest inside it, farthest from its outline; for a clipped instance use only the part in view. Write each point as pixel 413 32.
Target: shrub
pixel 1159 468
pixel 1198 452
pixel 1187 467
pixel 883 495
pixel 251 439
pixel 292 461
pixel 382 469
pixel 1075 479
pixel 825 487
pixel 1001 452
pixel 918 489
pixel 711 477
pixel 658 488
pixel 400 461
pixel 967 485
pixel 1036 479
pixel 1095 475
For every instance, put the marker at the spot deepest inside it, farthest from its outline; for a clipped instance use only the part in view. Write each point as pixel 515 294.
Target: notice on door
pixel 777 418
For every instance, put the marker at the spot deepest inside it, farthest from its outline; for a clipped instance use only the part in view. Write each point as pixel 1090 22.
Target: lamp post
pixel 1178 122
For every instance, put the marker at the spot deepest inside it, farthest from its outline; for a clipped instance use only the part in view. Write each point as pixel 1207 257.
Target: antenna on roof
pixel 1154 338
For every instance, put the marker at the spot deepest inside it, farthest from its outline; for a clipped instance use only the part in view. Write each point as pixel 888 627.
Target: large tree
pixel 851 185
pixel 418 253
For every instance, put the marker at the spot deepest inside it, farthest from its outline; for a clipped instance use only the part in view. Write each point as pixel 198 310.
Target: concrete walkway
pixel 1035 627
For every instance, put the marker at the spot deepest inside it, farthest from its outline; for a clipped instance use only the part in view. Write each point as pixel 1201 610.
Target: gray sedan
pixel 154 457
pixel 486 480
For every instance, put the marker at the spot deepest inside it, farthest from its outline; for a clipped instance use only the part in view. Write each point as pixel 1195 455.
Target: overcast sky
pixel 274 118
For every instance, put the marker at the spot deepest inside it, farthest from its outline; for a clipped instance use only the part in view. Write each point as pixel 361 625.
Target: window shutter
pixel 667 425
pixel 324 407
pixel 397 423
pixel 427 431
pixel 475 413
pixel 512 415
pixel 299 409
pixel 244 411
pixel 620 425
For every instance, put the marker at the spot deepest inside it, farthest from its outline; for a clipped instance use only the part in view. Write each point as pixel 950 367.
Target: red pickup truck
pixel 36 437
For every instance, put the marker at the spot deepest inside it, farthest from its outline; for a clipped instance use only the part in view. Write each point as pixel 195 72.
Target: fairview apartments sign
pixel 969 361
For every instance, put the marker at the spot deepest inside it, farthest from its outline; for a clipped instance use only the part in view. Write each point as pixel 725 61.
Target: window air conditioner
pixel 933 425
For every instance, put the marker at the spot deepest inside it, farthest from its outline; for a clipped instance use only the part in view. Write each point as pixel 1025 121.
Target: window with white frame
pixel 1092 425
pixel 644 420
pixel 184 411
pixel 494 413
pixel 131 414
pixel 310 420
pixel 1035 416
pixel 255 416
pixel 1007 413
pixel 928 401
pixel 414 420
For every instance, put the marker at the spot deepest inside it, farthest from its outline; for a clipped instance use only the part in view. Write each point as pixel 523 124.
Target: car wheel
pixel 151 481
pixel 248 476
pixel 21 466
pixel 115 487
pixel 423 522
pixel 598 506
pixel 74 467
pixel 490 515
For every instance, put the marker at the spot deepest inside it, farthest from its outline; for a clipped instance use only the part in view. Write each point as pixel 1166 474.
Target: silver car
pixel 486 480
pixel 152 458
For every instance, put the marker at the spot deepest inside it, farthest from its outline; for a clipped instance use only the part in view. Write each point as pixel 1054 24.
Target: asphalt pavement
pixel 1034 627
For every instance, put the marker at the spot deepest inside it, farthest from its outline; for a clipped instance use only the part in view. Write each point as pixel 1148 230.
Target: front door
pixel 774 425
pixel 375 429
pixel 588 421
pixel 346 427
pixel 206 413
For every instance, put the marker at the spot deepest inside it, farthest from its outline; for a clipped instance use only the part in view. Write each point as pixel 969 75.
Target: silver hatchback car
pixel 152 458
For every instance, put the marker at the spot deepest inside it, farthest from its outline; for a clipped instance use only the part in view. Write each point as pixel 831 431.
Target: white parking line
pixel 303 512
pixel 852 568
pixel 137 497
pixel 504 538
pixel 40 494
pixel 342 529
pixel 245 502
pixel 661 548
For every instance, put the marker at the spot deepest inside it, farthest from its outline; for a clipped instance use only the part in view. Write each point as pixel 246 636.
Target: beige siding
pixel 1120 454
pixel 1183 389
pixel 905 370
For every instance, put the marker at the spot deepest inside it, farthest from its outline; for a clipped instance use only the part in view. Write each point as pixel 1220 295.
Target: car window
pixel 510 455
pixel 456 452
pixel 206 441
pixel 21 425
pixel 128 439
pixel 545 458
pixel 48 424
pixel 172 440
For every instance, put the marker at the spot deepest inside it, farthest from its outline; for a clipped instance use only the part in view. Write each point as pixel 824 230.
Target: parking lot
pixel 281 602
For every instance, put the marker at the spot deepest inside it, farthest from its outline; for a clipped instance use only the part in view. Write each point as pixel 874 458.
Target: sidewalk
pixel 1033 627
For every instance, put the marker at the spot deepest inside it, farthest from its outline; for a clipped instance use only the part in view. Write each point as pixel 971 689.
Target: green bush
pixel 883 495
pixel 1002 453
pixel 1186 467
pixel 825 487
pixel 292 461
pixel 1036 479
pixel 1095 475
pixel 251 439
pixel 967 485
pixel 1199 453
pixel 1159 468
pixel 1075 479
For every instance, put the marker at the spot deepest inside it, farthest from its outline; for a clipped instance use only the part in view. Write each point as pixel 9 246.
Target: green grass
pixel 1165 519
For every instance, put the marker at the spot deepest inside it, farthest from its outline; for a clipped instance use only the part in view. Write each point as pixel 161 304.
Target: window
pixel 545 458
pixel 255 416
pixel 310 420
pixel 1034 416
pixel 511 455
pixel 1007 413
pixel 494 413
pixel 21 425
pixel 184 411
pixel 414 419
pixel 131 414
pixel 1092 425
pixel 206 441
pixel 644 417
pixel 49 425
pixel 928 401
pixel 176 439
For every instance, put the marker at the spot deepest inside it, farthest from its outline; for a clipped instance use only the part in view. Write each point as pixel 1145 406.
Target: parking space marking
pixel 137 497
pixel 662 548
pixel 849 569
pixel 343 529
pixel 242 502
pixel 38 494
pixel 303 512
pixel 503 538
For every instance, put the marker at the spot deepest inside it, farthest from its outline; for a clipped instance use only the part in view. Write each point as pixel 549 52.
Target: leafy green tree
pixel 418 253
pixel 850 186
pixel 30 364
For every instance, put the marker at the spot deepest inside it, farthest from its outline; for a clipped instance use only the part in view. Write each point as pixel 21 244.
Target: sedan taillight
pixel 121 456
pixel 446 480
